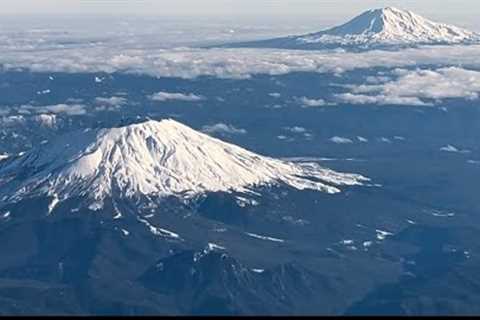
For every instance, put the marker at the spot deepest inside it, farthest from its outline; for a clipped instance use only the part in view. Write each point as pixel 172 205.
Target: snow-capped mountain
pixel 377 28
pixel 391 26
pixel 151 159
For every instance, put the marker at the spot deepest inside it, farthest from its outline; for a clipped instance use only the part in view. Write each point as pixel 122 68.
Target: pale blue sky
pixel 231 7
pixel 453 11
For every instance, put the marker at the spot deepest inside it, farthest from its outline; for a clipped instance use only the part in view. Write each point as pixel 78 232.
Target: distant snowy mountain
pixel 376 28
pixel 153 160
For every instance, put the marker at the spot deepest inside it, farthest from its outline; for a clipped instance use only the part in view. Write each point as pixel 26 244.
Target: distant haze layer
pixel 459 11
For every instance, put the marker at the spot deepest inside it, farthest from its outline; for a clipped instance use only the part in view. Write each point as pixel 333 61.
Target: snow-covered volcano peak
pixel 392 26
pixel 152 159
pixel 373 21
pixel 384 27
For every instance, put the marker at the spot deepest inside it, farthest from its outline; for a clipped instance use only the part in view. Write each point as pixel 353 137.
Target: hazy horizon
pixel 284 16
pixel 339 9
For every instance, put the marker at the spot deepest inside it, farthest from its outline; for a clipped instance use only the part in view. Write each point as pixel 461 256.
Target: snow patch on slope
pixel 159 231
pixel 53 204
pixel 267 238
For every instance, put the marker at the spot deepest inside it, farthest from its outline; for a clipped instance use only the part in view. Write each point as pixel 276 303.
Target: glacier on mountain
pixel 152 159
pixel 374 28
pixel 391 26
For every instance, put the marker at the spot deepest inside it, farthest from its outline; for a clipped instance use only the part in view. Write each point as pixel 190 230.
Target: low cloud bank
pixel 417 88
pixel 168 96
pixel 223 128
pixel 230 63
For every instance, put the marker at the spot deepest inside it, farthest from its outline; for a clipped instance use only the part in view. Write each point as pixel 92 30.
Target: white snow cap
pixel 391 26
pixel 154 159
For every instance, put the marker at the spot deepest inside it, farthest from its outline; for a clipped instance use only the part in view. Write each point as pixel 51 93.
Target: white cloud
pixel 275 106
pixel 377 79
pixel 296 129
pixel 109 104
pixel 223 128
pixel 226 63
pixel 45 120
pixel 275 95
pixel 403 87
pixel 306 102
pixel 74 100
pixel 385 140
pixel 12 120
pixel 308 136
pixel 4 111
pixel 166 96
pixel 418 87
pixel 340 140
pixel 300 131
pixel 68 109
pixel 112 101
pixel 47 91
pixel 379 99
pixel 453 149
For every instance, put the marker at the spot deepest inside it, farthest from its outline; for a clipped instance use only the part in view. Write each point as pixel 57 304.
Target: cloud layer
pixel 340 140
pixel 306 102
pixel 418 87
pixel 223 128
pixel 67 109
pixel 167 96
pixel 229 63
pixel 112 101
pixel 453 68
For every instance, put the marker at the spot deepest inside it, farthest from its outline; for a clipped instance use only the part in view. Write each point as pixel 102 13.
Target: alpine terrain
pixel 157 218
pixel 386 27
pixel 162 165
pixel 151 160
